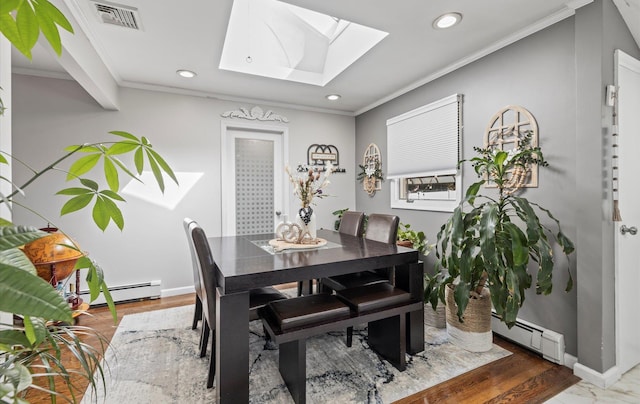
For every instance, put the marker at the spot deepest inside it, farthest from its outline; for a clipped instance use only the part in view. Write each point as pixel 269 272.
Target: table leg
pixel 387 338
pixel 292 363
pixel 411 278
pixel 232 348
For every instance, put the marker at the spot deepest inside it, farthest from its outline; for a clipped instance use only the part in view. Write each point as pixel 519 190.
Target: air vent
pixel 117 14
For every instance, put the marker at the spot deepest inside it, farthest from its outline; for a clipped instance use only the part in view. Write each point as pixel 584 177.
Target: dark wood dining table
pixel 247 262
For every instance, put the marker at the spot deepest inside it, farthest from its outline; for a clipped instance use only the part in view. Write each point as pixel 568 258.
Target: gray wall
pixel 540 74
pixel 49 114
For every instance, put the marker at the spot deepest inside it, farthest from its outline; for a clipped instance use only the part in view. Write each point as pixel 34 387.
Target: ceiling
pixel 190 35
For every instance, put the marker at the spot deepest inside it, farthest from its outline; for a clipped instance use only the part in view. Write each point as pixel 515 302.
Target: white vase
pixel 310 226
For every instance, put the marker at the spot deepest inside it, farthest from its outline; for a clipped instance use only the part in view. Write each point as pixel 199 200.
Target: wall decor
pixel 320 156
pixel 371 169
pixel 254 114
pixel 506 129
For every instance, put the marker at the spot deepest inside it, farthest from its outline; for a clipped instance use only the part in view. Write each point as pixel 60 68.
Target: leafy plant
pixel 417 238
pixel 338 213
pixel 35 349
pixel 370 172
pixel 494 242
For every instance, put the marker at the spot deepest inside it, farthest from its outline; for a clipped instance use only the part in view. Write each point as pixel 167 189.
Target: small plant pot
pixel 405 243
pixel 474 334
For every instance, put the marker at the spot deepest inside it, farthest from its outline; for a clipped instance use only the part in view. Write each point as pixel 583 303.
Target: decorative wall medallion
pixel 254 114
pixel 505 130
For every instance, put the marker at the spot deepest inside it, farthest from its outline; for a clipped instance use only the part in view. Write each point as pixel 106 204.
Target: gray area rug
pixel 153 358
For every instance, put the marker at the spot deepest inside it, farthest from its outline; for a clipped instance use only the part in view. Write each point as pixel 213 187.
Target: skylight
pixel 270 38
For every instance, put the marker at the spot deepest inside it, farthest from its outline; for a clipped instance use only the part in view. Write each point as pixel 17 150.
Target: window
pixel 423 153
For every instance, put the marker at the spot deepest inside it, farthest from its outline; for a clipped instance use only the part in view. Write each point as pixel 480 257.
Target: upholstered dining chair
pixel 201 253
pixel 382 228
pixel 197 314
pixel 351 223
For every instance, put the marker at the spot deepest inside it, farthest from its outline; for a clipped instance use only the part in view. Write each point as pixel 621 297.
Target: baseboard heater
pixel 549 343
pixel 137 291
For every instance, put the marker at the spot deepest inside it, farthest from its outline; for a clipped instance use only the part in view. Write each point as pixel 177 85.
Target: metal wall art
pixel 320 156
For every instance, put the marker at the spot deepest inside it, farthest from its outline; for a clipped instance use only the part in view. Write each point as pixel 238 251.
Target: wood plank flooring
pixel 523 377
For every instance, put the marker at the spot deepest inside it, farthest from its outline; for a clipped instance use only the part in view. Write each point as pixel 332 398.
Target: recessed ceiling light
pixel 186 73
pixel 333 97
pixel 447 20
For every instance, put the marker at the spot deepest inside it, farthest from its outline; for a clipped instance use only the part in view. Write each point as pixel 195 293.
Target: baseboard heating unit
pixel 549 343
pixel 137 291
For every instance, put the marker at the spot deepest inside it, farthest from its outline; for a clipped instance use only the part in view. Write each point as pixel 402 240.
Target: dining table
pixel 246 262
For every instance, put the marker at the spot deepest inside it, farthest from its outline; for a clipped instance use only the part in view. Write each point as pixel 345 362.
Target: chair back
pixel 352 223
pixel 382 228
pixel 205 266
pixel 197 283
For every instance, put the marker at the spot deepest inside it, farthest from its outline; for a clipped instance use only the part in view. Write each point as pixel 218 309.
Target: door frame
pixel 621 60
pixel 227 168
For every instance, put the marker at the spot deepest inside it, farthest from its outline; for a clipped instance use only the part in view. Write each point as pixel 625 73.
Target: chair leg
pixel 269 344
pixel 349 336
pixel 204 338
pixel 197 316
pixel 212 362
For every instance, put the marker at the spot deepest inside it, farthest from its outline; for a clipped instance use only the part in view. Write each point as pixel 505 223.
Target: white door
pixel 627 242
pixel 252 169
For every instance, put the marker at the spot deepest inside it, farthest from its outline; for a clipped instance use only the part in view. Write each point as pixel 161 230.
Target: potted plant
pixel 407 237
pixel 35 348
pixel 489 246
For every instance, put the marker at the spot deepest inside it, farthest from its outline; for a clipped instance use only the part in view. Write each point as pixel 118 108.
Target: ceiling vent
pixel 117 14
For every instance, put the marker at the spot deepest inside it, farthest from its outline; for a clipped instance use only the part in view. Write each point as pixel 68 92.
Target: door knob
pixel 633 230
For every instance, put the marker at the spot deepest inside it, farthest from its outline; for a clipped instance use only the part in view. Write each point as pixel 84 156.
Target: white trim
pixel 568 11
pixel 424 204
pixel 621 60
pixel 570 360
pixel 226 97
pixel 227 168
pixel 602 380
pixel 185 290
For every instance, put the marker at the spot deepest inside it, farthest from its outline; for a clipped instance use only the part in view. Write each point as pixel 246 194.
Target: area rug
pixel 153 358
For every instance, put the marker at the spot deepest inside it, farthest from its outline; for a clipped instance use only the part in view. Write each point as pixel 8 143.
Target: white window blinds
pixel 425 141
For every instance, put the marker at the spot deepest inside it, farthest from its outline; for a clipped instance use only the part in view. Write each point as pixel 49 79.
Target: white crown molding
pixel 568 11
pixel 25 71
pixel 253 114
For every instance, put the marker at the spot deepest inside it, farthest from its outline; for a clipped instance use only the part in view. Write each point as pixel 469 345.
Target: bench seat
pixel 290 322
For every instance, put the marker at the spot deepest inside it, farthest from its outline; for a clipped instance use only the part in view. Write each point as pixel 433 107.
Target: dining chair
pixel 197 284
pixel 201 253
pixel 382 228
pixel 351 223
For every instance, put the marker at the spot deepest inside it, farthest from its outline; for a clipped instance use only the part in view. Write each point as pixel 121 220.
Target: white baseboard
pixel 602 380
pixel 177 291
pixel 570 360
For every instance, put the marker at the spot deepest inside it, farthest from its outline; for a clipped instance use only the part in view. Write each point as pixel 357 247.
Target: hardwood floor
pixel 523 377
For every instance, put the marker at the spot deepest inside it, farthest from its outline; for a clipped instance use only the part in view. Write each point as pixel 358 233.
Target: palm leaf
pixel 26 294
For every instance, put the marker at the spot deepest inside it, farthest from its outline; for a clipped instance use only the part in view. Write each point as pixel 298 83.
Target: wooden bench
pixel 290 322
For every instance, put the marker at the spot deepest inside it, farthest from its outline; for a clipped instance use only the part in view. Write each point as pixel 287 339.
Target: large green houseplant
pixel 497 241
pixel 36 348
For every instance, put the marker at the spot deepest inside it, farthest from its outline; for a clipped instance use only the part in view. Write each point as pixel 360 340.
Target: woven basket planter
pixel 435 318
pixel 474 334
